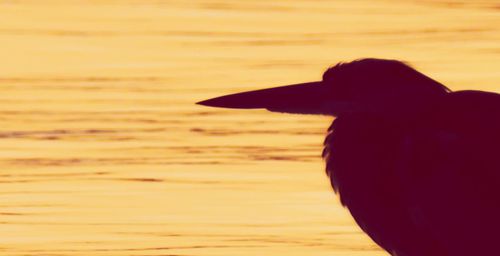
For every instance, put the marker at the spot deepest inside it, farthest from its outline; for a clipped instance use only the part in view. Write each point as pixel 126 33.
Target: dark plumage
pixel 417 165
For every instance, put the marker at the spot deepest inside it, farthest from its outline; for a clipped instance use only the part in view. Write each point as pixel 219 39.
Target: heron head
pixel 365 85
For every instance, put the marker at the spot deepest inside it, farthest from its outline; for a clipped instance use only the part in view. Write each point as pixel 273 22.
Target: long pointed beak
pixel 305 98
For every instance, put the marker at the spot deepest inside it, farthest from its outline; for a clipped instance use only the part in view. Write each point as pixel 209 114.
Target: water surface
pixel 104 153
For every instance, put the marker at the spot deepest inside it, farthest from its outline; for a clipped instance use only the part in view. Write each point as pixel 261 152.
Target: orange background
pixel 103 151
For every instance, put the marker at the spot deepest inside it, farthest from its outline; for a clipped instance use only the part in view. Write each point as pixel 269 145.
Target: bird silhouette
pixel 416 164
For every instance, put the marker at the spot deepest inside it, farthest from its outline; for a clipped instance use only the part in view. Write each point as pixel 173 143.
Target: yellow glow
pixel 103 151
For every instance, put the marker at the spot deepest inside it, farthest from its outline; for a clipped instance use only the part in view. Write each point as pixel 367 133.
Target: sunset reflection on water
pixel 105 153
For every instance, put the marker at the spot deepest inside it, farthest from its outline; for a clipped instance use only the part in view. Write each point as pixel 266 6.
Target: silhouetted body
pixel 418 166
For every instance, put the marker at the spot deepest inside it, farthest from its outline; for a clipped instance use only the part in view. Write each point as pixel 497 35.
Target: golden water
pixel 103 152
